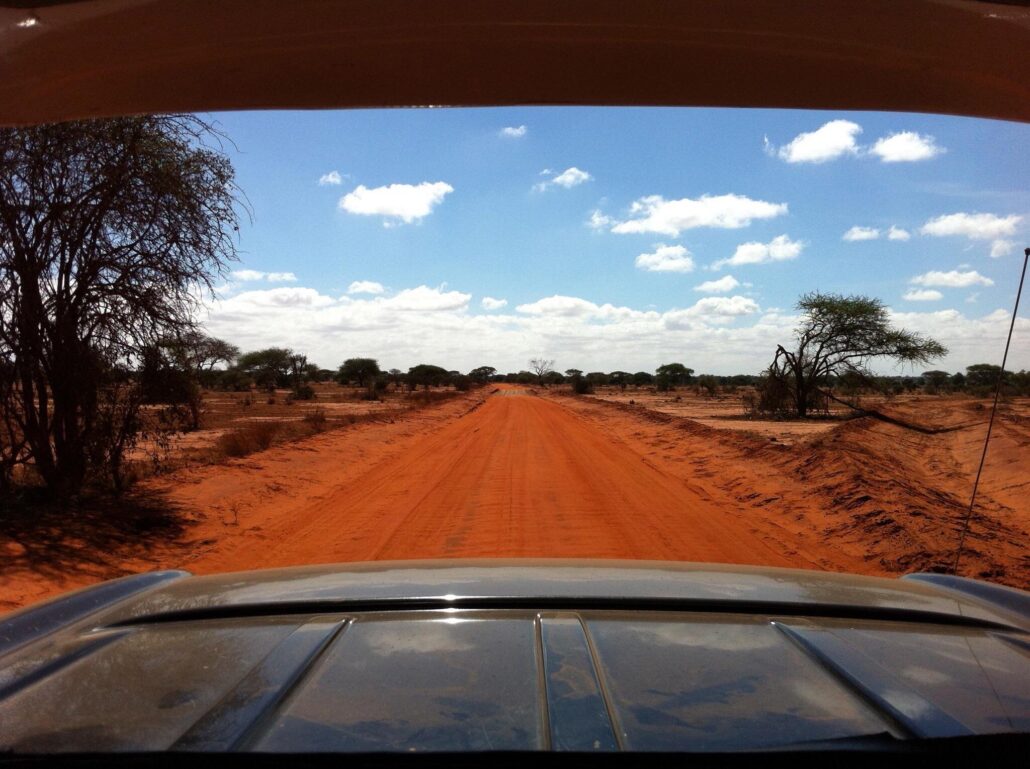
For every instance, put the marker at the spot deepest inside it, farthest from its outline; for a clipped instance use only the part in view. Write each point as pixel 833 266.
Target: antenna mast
pixel 990 424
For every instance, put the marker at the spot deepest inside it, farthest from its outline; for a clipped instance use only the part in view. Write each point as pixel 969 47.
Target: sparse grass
pixel 426 397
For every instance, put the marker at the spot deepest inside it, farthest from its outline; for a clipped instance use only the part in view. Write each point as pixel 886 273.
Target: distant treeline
pixel 283 368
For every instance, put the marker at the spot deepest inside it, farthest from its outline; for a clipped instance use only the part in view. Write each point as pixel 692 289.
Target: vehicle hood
pixel 488 655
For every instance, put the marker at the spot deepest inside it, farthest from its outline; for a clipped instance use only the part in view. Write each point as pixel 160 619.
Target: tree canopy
pixel 841 335
pixel 107 229
pixel 358 370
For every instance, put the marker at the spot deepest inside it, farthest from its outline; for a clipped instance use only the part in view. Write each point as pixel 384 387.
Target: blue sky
pixel 437 209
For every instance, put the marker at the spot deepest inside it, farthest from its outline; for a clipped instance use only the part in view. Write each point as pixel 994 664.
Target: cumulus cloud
pixel 779 249
pixel 251 276
pixel 721 286
pixel 570 177
pixel 711 309
pixel 365 287
pixel 513 132
pixel 897 233
pixel 248 275
pixel 973 226
pixel 951 279
pixel 655 214
pixel 598 221
pixel 828 142
pixel 562 306
pixel 976 227
pixel 922 295
pixel 396 202
pixel 666 259
pixel 727 337
pixel 332 178
pixel 1002 248
pixel 489 303
pixel 906 147
pixel 426 299
pixel 861 233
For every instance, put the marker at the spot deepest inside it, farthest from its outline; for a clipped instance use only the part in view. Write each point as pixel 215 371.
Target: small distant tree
pixel 482 373
pixel 581 385
pixel 395 377
pixel 358 371
pixel 935 381
pixel 541 368
pixel 572 373
pixel 841 335
pixel 982 378
pixel 427 376
pixel 642 378
pixel 707 385
pixel 620 379
pixel 269 368
pixel 675 374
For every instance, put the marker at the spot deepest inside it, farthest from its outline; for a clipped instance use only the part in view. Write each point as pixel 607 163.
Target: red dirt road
pixel 515 474
pixel 521 476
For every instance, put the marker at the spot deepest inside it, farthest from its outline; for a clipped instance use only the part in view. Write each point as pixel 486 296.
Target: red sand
pixel 516 474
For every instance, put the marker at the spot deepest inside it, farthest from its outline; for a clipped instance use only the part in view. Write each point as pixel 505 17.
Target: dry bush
pixel 426 397
pixel 316 420
pixel 242 441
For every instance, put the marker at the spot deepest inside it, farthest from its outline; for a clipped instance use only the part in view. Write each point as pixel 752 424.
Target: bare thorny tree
pixel 110 233
pixel 841 335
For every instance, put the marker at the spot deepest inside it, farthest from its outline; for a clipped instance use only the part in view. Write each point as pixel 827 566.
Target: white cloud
pixel 570 177
pixel 426 299
pixel 655 214
pixel 861 233
pixel 283 297
pixel 972 226
pixel 906 146
pixel 404 202
pixel 1002 248
pixel 779 249
pixel 562 306
pixel 598 221
pixel 951 279
pixel 281 277
pixel 828 142
pixel 489 303
pixel 897 233
pixel 333 178
pixel 666 259
pixel 365 287
pixel 250 276
pixel 733 336
pixel 720 286
pixel 514 132
pixel 922 295
pixel 711 309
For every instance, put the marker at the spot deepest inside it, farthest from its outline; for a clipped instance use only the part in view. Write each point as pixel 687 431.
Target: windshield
pixel 270 339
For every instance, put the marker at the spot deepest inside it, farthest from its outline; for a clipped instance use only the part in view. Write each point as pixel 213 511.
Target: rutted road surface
pixel 520 476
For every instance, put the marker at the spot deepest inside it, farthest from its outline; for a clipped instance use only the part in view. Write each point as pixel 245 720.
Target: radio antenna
pixel 990 423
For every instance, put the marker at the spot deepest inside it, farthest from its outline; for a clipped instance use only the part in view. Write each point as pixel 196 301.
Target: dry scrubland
pixel 533 472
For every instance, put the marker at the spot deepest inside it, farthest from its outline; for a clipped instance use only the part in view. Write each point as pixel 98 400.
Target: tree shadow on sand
pixel 89 537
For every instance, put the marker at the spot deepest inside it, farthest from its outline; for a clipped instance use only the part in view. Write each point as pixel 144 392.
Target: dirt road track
pixel 521 476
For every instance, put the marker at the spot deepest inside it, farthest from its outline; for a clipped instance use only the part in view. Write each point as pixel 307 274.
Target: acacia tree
pixel 840 335
pixel 359 370
pixel 110 230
